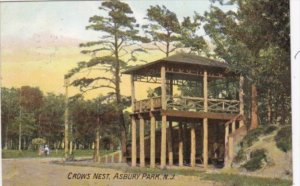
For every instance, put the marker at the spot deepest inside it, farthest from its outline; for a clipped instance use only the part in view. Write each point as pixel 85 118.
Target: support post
pixel 205 121
pixel 152 133
pixel 71 138
pixel 142 142
pixel 163 141
pixel 226 158
pixel 193 145
pixel 164 118
pixel 133 142
pixel 170 130
pixel 97 154
pixel 170 144
pixel 132 94
pixel 230 150
pixel 180 145
pixel 233 127
pixel 163 88
pixel 241 99
pixel 66 118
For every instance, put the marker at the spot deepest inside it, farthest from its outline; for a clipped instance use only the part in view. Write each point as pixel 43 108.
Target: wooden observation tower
pixel 180 121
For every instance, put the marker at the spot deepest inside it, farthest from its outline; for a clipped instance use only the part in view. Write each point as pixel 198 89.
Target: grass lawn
pixel 242 180
pixel 53 153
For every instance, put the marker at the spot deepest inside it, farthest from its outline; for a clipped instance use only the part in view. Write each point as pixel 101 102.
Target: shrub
pixel 270 129
pixel 252 136
pixel 241 156
pixel 256 158
pixel 37 141
pixel 284 139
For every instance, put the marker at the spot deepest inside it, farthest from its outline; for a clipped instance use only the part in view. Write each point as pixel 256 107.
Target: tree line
pixel 254 40
pixel 27 114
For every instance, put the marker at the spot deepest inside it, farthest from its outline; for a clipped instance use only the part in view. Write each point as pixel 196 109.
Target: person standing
pixel 46 150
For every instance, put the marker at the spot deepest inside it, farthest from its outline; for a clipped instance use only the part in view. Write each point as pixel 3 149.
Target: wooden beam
pixel 163 88
pixel 205 91
pixel 66 117
pixel 241 99
pixel 230 150
pixel 142 142
pixel 233 127
pixel 170 144
pixel 226 145
pixel 97 154
pixel 133 142
pixel 163 141
pixel 180 145
pixel 132 93
pixel 205 142
pixel 199 115
pixel 170 128
pixel 152 134
pixel 205 121
pixel 193 145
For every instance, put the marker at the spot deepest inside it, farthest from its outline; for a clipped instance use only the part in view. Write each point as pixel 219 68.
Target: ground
pixel 36 172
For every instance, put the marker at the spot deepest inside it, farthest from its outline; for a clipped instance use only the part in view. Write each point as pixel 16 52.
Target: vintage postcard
pixel 136 92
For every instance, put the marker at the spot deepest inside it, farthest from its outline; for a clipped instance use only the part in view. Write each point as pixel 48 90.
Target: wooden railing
pixel 146 104
pixel 223 105
pixel 192 104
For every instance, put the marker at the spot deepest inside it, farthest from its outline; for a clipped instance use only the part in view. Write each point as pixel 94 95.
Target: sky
pixel 39 40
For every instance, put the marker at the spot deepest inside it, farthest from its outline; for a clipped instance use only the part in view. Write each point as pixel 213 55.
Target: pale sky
pixel 39 40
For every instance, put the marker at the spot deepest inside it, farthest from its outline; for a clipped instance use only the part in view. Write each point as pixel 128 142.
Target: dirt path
pixel 38 172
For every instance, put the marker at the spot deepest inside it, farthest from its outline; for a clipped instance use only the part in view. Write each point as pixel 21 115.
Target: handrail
pixel 186 103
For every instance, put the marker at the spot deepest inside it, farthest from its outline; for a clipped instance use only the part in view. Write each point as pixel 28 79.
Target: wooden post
pixel 230 150
pixel 170 144
pixel 152 133
pixel 193 145
pixel 71 138
pixel 233 127
pixel 180 145
pixel 163 88
pixel 226 145
pixel 163 141
pixel 241 99
pixel 164 118
pixel 205 121
pixel 66 118
pixel 97 155
pixel 132 93
pixel 170 129
pixel 133 142
pixel 142 142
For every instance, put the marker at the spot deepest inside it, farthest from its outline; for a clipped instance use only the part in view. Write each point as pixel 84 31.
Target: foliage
pixel 111 54
pixel 251 137
pixel 247 39
pixel 54 153
pixel 269 129
pixel 240 157
pixel 256 158
pixel 36 142
pixel 51 118
pixel 284 139
pixel 168 34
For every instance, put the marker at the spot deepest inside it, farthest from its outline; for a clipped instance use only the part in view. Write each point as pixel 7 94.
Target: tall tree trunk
pixel 6 135
pixel 254 107
pixel 119 101
pixel 20 131
pixel 283 110
pixel 20 136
